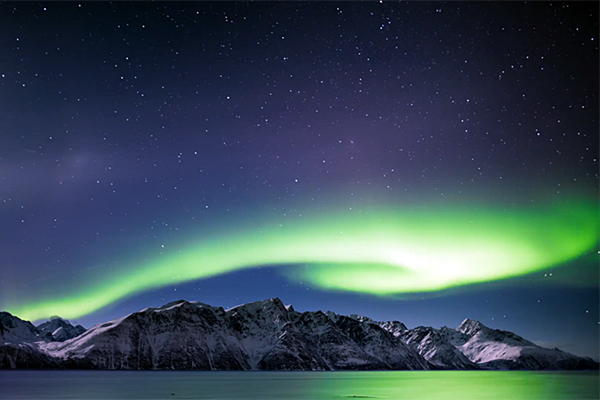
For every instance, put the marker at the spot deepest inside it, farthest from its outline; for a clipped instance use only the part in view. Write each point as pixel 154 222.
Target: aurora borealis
pixel 422 162
pixel 384 252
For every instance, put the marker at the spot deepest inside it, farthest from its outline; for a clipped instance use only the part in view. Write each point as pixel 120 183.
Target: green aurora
pixel 386 251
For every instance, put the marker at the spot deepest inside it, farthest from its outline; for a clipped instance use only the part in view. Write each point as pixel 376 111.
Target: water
pixel 445 385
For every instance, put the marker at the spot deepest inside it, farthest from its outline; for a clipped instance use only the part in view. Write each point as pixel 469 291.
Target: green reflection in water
pixel 261 385
pixel 448 385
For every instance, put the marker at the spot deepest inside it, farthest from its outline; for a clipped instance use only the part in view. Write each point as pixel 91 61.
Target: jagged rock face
pixel 15 330
pixel 336 348
pixel 182 336
pixel 394 327
pixel 435 347
pixel 60 330
pixel 454 337
pixel 382 344
pixel 291 352
pixel 267 335
pixel 263 335
pixel 25 356
pixel 470 327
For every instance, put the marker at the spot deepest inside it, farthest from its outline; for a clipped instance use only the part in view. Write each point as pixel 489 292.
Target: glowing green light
pixel 451 385
pixel 383 251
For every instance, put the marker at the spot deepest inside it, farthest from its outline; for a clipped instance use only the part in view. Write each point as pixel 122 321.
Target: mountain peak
pixel 15 330
pixel 177 303
pixel 59 329
pixel 470 326
pixel 267 303
pixel 172 304
pixel 290 308
pixel 360 318
pixel 273 302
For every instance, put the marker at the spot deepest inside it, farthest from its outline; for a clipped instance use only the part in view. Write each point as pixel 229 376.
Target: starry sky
pixel 416 161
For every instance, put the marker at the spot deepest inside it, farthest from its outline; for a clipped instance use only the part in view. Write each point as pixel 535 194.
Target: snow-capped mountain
pixel 18 340
pixel 60 329
pixel 266 335
pixel 394 327
pixel 434 346
pixel 15 330
pixel 498 349
pixel 262 335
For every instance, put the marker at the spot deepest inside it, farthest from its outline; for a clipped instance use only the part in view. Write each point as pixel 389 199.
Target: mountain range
pixel 267 335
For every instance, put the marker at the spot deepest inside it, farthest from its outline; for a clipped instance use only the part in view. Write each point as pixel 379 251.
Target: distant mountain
pixel 266 335
pixel 15 330
pixel 59 329
pixel 497 349
pixel 20 340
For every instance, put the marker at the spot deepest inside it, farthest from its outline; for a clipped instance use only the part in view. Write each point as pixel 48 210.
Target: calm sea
pixel 445 385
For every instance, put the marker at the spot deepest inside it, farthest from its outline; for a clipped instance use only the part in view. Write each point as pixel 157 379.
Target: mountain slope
pixel 16 344
pixel 260 335
pixel 15 330
pixel 266 335
pixel 434 345
pixel 498 349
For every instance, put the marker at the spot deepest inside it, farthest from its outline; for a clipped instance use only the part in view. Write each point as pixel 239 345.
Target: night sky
pixel 416 161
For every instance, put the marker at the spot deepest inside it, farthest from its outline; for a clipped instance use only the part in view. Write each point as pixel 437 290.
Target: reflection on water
pixel 425 385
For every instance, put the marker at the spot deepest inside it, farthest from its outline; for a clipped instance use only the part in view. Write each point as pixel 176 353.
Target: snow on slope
pixel 267 335
pixel 484 344
pixel 260 335
pixel 498 349
pixel 79 345
pixel 60 329
pixel 435 346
